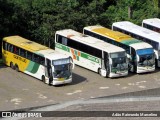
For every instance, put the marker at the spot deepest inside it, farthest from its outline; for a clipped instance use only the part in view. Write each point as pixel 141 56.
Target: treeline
pixel 39 19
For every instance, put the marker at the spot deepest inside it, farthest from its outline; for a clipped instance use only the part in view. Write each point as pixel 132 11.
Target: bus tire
pixel 99 71
pixel 12 66
pixel 43 79
pixel 17 68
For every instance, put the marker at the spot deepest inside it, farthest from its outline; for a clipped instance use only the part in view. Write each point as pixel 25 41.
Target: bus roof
pixel 34 47
pixel 52 54
pixel 133 28
pixel 118 36
pixel 88 40
pixel 153 22
pixel 105 31
pixel 24 43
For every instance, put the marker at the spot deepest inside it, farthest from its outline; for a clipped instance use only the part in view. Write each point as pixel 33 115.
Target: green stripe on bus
pixel 32 67
pixel 89 57
pixel 62 47
pixel 35 68
pixel 130 41
pixel 84 55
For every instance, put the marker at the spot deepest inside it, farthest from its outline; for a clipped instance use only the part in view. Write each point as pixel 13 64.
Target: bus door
pixel 105 62
pixel 48 70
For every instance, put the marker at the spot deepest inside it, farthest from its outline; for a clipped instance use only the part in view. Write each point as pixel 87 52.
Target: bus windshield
pixel 62 68
pixel 119 61
pixel 146 57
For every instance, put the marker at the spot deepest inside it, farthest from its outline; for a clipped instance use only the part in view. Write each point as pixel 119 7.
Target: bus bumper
pixel 60 82
pixel 145 69
pixel 119 74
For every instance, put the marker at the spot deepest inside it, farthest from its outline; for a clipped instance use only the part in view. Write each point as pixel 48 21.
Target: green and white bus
pixel 141 58
pixel 91 53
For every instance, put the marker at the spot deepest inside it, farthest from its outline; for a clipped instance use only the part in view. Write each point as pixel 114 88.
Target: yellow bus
pixel 37 60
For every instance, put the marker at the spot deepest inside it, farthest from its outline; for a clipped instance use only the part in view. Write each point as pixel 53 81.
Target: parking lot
pixel 18 90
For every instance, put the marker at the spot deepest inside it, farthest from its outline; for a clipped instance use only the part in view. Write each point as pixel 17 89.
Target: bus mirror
pixel 110 61
pixel 53 69
pixel 73 65
pixel 137 58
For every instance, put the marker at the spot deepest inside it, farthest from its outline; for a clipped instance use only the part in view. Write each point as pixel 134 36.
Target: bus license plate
pixel 60 79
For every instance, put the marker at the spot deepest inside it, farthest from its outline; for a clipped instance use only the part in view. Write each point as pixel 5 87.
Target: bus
pixel 140 54
pixel 91 53
pixel 152 24
pixel 36 60
pixel 144 34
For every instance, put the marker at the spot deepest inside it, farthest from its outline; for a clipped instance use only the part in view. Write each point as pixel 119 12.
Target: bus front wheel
pixel 43 79
pixel 99 71
pixel 12 66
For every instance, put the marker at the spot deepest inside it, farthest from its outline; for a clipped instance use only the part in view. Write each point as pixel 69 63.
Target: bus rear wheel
pixel 17 68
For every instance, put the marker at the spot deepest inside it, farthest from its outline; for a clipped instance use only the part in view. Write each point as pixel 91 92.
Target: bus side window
pixel 29 55
pixel 42 60
pixel 36 58
pixel 88 33
pixel 22 53
pixel 144 25
pixel 59 38
pixel 98 53
pixel 73 44
pixel 10 48
pixel 4 45
pixel 16 50
pixel 64 41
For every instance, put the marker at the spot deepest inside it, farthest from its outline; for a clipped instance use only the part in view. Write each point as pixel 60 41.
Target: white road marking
pixel 142 86
pixel 131 84
pixel 92 97
pixel 16 103
pixel 117 84
pixel 41 96
pixel 124 88
pixel 137 83
pixel 16 100
pixel 102 88
pixel 50 100
pixel 77 91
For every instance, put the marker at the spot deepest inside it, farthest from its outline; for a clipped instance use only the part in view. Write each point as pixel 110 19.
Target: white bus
pixel 140 54
pixel 91 53
pixel 41 62
pixel 144 34
pixel 152 24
